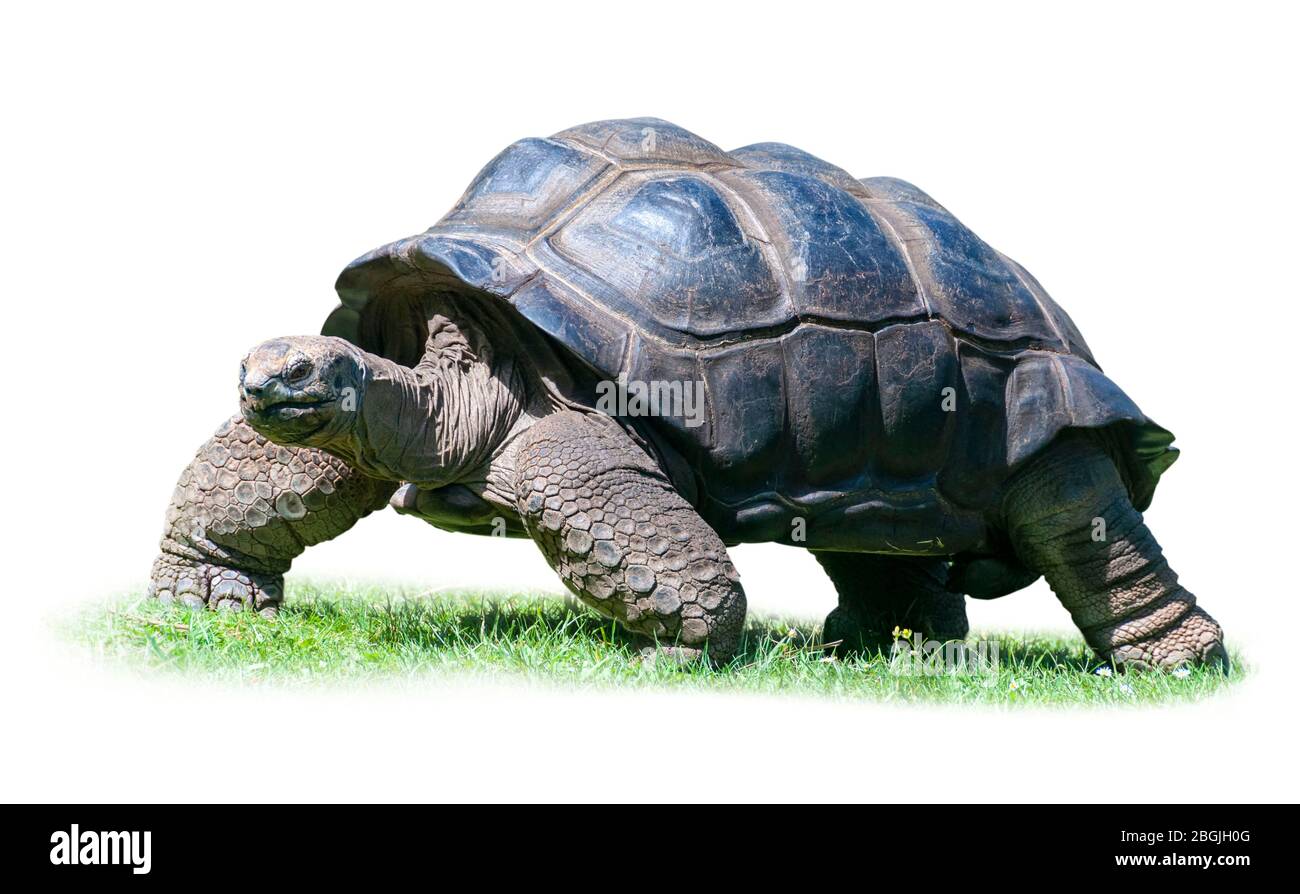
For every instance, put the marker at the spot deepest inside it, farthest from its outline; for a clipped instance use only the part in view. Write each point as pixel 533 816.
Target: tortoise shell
pixel 866 359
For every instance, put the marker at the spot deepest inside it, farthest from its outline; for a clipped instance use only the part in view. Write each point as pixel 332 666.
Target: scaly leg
pixel 623 540
pixel 1070 518
pixel 244 509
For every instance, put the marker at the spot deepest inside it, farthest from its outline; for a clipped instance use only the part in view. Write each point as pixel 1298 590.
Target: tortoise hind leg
pixel 623 540
pixel 1069 516
pixel 878 593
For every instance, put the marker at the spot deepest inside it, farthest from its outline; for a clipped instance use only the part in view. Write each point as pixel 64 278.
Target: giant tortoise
pixel 637 349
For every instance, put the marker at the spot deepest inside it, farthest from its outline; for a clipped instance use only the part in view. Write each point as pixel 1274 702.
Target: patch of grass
pixel 328 632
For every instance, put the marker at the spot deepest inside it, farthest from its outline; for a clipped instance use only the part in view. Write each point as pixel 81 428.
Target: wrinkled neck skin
pixel 453 418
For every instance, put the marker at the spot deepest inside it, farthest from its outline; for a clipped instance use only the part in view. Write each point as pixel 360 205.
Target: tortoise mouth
pixel 289 420
pixel 288 407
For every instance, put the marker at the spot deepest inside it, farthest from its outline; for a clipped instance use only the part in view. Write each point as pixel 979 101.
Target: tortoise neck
pixel 434 424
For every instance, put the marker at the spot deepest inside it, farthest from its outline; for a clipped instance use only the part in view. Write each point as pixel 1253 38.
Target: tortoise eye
pixel 298 371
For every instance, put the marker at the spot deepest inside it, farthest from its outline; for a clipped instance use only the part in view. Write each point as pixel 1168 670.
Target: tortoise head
pixel 302 389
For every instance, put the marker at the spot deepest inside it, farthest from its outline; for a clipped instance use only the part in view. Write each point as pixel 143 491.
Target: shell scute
pixel 966 282
pixel 654 362
pixel 524 187
pixel 832 411
pixel 978 455
pixel 746 385
pixel 841 263
pixel 676 255
pixel 792 160
pixel 599 340
pixel 918 375
pixel 645 141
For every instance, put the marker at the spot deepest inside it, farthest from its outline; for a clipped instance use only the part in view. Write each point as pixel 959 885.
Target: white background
pixel 182 184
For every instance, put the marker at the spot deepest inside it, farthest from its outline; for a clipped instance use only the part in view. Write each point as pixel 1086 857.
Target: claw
pixel 195 584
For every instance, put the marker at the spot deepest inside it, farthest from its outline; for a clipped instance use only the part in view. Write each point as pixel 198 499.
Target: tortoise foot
pixel 1195 640
pixel 196 584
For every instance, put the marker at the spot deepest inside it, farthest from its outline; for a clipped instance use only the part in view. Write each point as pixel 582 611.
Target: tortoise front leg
pixel 244 509
pixel 623 540
pixel 1070 518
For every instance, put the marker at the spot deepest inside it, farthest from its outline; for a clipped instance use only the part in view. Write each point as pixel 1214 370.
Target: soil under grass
pixel 358 633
